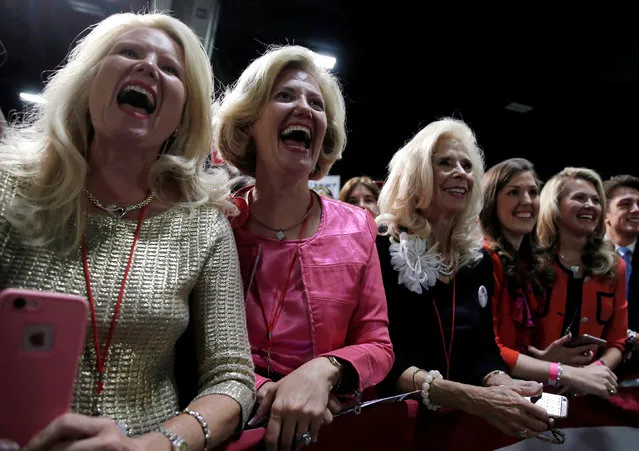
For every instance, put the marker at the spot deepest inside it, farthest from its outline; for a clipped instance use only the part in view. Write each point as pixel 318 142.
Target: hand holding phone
pixel 584 340
pixel 555 405
pixel 41 340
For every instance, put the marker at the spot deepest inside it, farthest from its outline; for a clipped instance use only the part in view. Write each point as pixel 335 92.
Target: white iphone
pixel 555 405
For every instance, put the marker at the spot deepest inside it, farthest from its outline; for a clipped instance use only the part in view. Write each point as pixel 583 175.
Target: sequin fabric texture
pixel 180 254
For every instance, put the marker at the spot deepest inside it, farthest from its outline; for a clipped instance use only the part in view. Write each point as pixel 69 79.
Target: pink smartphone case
pixel 40 346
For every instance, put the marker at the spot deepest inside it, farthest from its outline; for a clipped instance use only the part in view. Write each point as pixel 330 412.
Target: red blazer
pixel 604 309
pixel 512 319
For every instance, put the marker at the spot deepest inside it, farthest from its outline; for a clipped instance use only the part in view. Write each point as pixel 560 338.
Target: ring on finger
pixel 304 439
pixel 523 433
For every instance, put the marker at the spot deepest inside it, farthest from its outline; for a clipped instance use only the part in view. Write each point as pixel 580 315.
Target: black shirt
pixel 415 330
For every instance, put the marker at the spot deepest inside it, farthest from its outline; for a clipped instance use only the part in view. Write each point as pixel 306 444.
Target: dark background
pixel 404 64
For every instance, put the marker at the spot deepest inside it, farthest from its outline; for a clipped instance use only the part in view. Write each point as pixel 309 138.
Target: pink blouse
pixel 292 343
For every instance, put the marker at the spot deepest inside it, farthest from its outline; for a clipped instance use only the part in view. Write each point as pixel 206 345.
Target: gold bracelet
pixel 340 368
pixel 491 374
pixel 415 374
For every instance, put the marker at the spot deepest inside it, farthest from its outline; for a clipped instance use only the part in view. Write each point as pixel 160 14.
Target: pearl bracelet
pixel 203 424
pixel 430 377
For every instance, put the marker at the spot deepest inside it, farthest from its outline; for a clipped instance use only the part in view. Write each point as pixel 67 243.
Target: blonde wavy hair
pixel 599 256
pixel 47 153
pixel 243 103
pixel 409 189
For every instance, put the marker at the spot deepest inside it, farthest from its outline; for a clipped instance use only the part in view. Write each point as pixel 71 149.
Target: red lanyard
pixel 270 325
pixel 452 332
pixel 101 359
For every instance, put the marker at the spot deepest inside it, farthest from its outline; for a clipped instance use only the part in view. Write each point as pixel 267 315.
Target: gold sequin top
pixel 180 254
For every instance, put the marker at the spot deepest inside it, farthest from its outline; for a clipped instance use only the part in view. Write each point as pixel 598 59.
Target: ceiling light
pixel 31 98
pixel 518 107
pixel 325 61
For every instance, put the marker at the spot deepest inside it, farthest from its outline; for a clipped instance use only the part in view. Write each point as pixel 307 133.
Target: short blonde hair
pixel 244 101
pixel 409 188
pixel 47 153
pixel 354 182
pixel 599 256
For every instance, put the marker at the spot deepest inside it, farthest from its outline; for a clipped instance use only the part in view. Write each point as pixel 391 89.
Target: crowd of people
pixel 464 286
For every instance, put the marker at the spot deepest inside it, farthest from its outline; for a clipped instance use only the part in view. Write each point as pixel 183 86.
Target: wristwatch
pixel 177 442
pixel 336 363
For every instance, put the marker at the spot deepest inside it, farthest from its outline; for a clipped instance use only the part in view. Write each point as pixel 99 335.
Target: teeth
pixel 457 190
pixel 524 215
pixel 141 90
pixel 633 220
pixel 589 217
pixel 293 128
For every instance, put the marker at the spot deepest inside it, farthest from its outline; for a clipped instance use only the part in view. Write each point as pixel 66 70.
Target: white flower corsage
pixel 417 266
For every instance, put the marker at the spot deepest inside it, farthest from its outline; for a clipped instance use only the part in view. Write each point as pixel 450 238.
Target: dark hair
pixel 619 181
pixel 538 271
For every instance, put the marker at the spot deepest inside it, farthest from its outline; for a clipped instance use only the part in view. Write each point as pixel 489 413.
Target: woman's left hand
pixel 301 404
pixel 75 432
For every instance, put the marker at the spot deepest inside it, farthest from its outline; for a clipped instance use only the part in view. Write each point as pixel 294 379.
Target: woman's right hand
pixel 557 352
pixel 593 379
pixel 506 408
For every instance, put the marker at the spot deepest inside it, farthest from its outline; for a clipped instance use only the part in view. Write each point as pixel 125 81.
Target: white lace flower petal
pixel 417 267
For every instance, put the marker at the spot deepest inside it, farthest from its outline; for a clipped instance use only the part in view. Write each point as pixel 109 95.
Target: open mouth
pixel 633 220
pixel 586 217
pixel 457 192
pixel 137 98
pixel 525 215
pixel 297 136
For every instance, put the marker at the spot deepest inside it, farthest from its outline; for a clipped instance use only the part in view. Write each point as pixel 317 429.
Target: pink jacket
pixel 344 291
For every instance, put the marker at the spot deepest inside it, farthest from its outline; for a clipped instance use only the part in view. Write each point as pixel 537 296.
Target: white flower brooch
pixel 417 265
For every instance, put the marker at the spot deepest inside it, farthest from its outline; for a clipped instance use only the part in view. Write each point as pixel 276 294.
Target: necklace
pixel 447 354
pixel 270 324
pixel 574 268
pixel 280 233
pixel 99 357
pixel 117 211
pixel 447 269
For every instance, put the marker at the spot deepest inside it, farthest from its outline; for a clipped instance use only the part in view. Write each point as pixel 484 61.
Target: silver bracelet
pixel 560 371
pixel 430 377
pixel 205 427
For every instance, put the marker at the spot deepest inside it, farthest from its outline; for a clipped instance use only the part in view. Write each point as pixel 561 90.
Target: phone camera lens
pixel 19 303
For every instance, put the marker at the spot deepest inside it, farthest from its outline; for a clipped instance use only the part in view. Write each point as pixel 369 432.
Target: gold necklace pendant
pixel 116 211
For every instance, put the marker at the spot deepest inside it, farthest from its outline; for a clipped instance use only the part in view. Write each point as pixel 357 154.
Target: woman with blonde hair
pixel 523 277
pixel 104 193
pixel 588 295
pixel 438 283
pixel 315 303
pixel 362 192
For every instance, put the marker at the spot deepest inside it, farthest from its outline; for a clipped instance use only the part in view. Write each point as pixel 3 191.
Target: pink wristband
pixel 553 374
pixel 599 362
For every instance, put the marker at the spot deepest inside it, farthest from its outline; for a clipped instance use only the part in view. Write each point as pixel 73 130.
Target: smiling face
pixel 622 218
pixel 362 197
pixel 289 133
pixel 579 208
pixel 138 93
pixel 518 205
pixel 453 179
